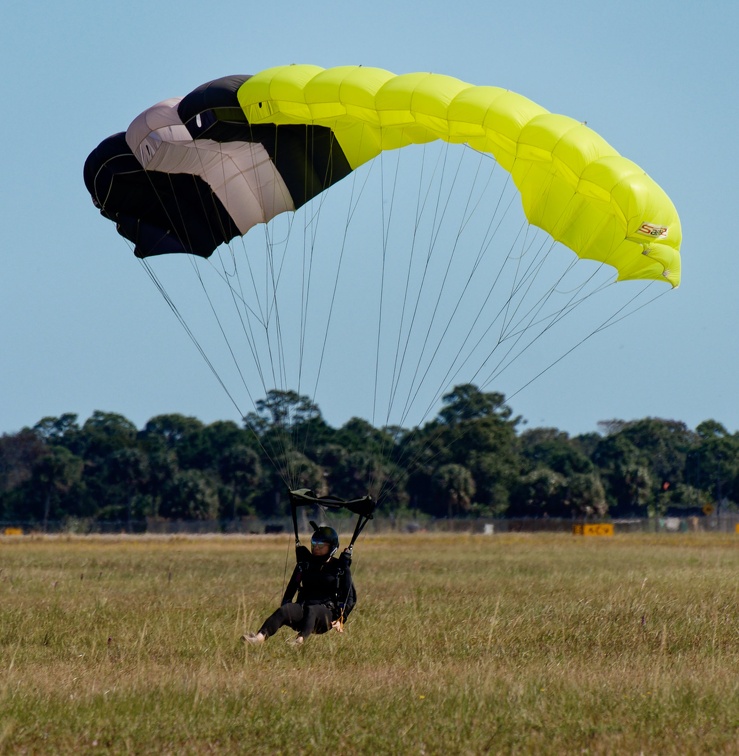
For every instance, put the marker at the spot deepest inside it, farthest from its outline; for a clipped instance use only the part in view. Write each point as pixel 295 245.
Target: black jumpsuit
pixel 324 588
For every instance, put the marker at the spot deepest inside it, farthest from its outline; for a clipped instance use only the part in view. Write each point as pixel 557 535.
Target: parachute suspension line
pixel 351 210
pixel 165 295
pixel 398 367
pixel 252 346
pixel 385 222
pixel 157 283
pixel 438 218
pixel 550 320
pixel 506 334
pixel 518 335
pixel 247 315
pixel 534 269
pixel 311 228
pixel 248 332
pixel 422 200
pixel 493 227
pixel 465 218
pixel 243 311
pixel 276 353
pixel 512 306
pixel 518 284
pixel 179 315
pixel 309 245
pixel 507 310
pixel 466 215
pixel 480 188
pixel 274 261
pixel 217 317
pixel 517 331
pixel 162 289
pixel 215 237
pixel 310 233
pixel 485 247
pixel 385 226
pixel 610 321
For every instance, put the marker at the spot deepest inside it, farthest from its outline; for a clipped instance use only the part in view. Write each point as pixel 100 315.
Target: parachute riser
pixel 364 508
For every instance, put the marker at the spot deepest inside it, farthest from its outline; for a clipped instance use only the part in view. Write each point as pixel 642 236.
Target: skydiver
pixel 324 587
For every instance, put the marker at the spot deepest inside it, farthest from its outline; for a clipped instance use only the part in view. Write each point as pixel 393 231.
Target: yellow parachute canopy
pixel 573 184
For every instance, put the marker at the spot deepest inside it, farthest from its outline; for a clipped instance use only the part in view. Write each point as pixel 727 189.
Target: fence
pixel 725 523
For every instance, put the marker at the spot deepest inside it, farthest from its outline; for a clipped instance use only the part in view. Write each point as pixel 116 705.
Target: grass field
pixel 545 643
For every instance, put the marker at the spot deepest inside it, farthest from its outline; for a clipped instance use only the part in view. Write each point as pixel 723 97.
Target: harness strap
pixel 294 511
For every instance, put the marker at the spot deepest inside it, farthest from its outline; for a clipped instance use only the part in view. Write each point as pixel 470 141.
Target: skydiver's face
pixel 320 549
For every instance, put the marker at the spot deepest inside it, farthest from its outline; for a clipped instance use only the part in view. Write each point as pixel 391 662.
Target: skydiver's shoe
pixel 253 638
pixel 297 641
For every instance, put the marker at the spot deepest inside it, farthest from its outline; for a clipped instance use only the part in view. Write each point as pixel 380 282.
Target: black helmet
pixel 325 534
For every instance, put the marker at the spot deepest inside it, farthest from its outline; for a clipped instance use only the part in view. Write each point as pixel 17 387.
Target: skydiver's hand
pixel 337 625
pixel 346 557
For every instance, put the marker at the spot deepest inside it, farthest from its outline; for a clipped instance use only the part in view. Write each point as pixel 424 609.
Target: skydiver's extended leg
pixel 287 614
pixel 317 619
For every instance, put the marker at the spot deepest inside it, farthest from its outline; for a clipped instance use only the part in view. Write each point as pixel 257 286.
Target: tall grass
pixel 459 644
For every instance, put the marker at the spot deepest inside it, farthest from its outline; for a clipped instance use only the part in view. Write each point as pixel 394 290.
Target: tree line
pixel 476 458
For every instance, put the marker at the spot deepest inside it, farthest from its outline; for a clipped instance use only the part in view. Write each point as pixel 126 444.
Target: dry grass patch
pixel 460 644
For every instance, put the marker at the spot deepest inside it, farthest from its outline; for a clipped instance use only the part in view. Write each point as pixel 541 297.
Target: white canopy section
pixel 241 174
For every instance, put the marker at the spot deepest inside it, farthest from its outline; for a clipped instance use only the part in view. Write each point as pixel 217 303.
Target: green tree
pixel 126 477
pixel 60 431
pixel 206 446
pixel 19 452
pixel 301 472
pixel 625 473
pixel 664 446
pixel 638 485
pixel 281 409
pixel 466 402
pixel 687 498
pixel 241 472
pixel 104 433
pixel 163 469
pixel 179 434
pixel 54 475
pixel 360 435
pixel 553 449
pixel 715 466
pixel 634 452
pixel 585 495
pixel 360 473
pixel 540 492
pixel 190 495
pixel 455 489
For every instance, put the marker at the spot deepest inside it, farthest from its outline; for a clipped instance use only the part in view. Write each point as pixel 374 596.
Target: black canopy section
pixel 308 158
pixel 212 111
pixel 159 212
pixel 364 508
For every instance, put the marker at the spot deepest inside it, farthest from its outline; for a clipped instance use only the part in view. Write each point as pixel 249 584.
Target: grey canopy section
pixel 191 173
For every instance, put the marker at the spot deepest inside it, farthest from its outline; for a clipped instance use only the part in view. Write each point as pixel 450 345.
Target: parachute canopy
pixel 192 173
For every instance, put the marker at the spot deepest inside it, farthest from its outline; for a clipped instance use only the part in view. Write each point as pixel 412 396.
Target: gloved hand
pixel 346 558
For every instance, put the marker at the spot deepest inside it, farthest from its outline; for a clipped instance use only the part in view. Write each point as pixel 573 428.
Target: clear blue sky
pixel 82 327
